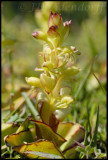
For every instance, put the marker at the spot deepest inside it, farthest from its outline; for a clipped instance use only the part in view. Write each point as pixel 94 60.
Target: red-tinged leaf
pixel 67 125
pixel 70 131
pixel 45 110
pixel 8 128
pixel 43 107
pixel 43 131
pixel 53 122
pixel 50 119
pixel 33 132
pixel 40 149
pixel 18 138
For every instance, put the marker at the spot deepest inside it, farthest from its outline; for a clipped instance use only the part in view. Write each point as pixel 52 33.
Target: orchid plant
pixel 48 137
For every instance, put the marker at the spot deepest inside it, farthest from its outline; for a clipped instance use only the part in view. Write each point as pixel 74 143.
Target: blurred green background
pixel 20 50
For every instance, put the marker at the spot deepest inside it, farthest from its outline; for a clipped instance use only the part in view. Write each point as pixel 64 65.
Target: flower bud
pixel 52 31
pixel 74 50
pixel 54 19
pixel 61 113
pixel 66 29
pixel 67 23
pixel 67 100
pixel 48 82
pixel 48 65
pixel 66 50
pixel 62 60
pixel 39 35
pixel 53 36
pixel 33 81
pixel 71 71
pixel 42 97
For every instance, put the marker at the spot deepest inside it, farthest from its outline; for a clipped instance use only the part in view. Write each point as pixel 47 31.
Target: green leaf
pixel 42 154
pixel 18 138
pixel 70 131
pixel 50 119
pixel 7 128
pixel 88 148
pixel 102 155
pixel 43 131
pixel 71 153
pixel 91 151
pixel 24 126
pixel 41 149
pixel 80 149
pixel 67 125
pixel 44 110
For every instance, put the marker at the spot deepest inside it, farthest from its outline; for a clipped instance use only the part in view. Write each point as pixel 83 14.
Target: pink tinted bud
pixel 52 31
pixel 39 35
pixel 67 23
pixel 73 48
pixel 35 34
pixel 54 19
pixel 57 18
pixel 50 21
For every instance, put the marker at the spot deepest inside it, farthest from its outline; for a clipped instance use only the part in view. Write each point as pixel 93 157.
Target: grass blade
pixel 31 106
pixel 82 84
pixel 100 84
pixel 86 135
pixel 85 79
pixel 89 125
pixel 96 128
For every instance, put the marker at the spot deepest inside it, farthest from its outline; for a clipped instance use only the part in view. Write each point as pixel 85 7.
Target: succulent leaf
pixel 42 148
pixel 43 131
